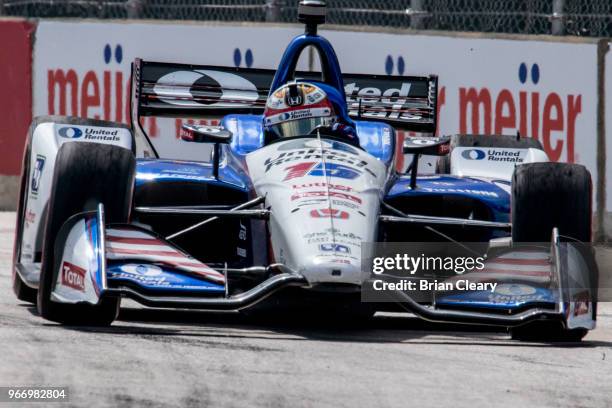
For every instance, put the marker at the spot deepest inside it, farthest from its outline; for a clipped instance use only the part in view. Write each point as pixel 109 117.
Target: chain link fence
pixel 560 17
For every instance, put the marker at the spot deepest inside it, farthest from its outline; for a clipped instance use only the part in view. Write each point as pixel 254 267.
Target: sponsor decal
pixel 515 290
pixel 326 194
pixel 548 116
pixel 88 133
pixel 330 186
pixel 147 270
pixel 30 218
pixel 304 143
pixel 516 293
pixel 329 213
pixel 73 276
pixel 581 307
pixel 496 155
pixel 335 170
pixel 39 165
pixel 70 132
pixel 307 155
pixel 462 191
pixel 297 114
pixel 146 274
pixel 348 238
pixel 346 204
pixel 473 154
pixel 248 57
pixel 357 99
pixel 168 86
pixel 319 169
pixel 242 234
pixel 335 248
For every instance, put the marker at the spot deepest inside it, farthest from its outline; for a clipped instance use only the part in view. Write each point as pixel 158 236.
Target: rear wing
pixel 168 89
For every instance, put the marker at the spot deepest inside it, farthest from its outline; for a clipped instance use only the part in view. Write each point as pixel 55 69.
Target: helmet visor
pixel 300 127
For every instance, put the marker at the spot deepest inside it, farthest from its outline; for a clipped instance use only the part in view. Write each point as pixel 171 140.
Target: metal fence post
pixel 416 14
pixel 558 17
pixel 134 8
pixel 273 10
pixel 600 200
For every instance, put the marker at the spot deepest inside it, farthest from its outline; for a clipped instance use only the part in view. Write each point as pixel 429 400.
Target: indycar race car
pixel 302 171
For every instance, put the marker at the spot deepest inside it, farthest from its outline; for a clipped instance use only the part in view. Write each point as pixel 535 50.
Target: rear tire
pixel 86 174
pixel 444 163
pixel 549 195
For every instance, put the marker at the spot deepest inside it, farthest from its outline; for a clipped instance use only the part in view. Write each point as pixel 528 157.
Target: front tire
pixel 86 174
pixel 20 288
pixel 547 196
pixel 551 195
pixel 547 332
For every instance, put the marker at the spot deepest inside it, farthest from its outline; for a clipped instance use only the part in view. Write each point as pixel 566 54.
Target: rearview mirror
pixel 205 134
pixel 433 146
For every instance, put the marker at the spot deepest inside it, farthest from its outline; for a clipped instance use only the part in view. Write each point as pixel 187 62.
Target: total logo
pixel 497 155
pixel 73 276
pixel 543 114
pixel 89 133
pixel 102 92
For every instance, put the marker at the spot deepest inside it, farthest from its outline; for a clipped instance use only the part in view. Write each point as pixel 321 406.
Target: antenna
pixel 312 13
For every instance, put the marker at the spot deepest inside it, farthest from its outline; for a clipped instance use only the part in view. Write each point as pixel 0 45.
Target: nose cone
pixel 324 198
pixel 333 268
pixel 323 248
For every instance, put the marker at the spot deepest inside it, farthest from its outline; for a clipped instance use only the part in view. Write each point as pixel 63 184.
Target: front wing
pixel 97 261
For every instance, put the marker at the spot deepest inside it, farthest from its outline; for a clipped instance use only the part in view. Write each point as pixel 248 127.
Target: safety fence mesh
pixel 561 17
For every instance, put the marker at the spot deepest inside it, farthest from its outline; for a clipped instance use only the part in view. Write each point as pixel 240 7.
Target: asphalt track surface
pixel 192 359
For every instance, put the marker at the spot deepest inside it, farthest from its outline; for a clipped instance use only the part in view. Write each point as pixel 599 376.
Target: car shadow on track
pixel 385 328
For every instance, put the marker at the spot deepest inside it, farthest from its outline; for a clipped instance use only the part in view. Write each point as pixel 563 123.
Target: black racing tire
pixel 20 288
pixel 23 291
pixel 547 332
pixel 85 175
pixel 549 195
pixel 444 162
pixel 545 196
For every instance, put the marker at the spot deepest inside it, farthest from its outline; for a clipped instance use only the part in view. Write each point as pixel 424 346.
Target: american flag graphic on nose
pixel 132 244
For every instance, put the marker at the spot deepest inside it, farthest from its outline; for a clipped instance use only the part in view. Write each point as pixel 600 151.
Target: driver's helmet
pixel 298 109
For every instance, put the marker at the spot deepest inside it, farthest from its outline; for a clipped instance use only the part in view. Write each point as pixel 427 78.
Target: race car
pixel 302 172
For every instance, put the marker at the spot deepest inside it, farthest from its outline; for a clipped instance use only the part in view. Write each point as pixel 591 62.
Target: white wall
pixel 542 88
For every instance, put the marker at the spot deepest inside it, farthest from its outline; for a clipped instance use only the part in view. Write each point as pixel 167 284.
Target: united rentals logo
pixel 497 155
pixel 88 133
